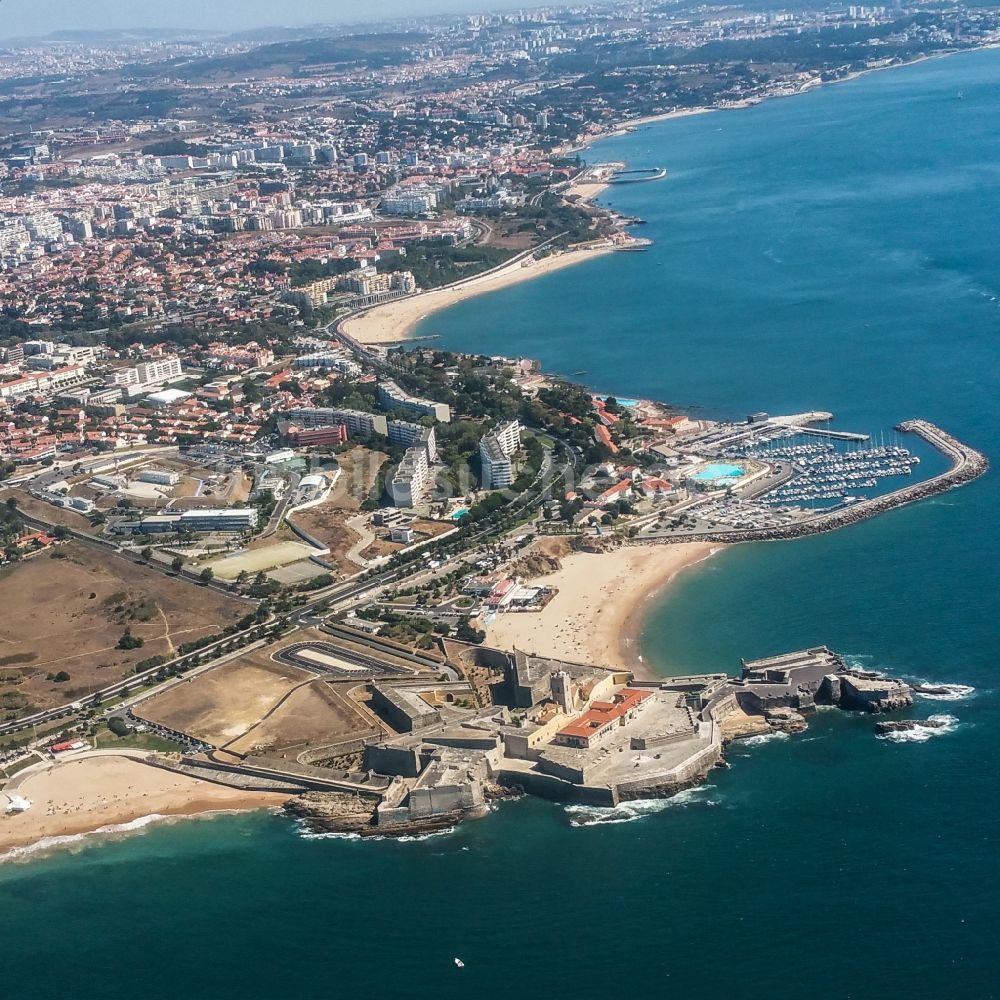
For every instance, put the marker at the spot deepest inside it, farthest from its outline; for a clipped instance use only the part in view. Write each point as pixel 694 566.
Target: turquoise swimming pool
pixel 718 470
pixel 460 513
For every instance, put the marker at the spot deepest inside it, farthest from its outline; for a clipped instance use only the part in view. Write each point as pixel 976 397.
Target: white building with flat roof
pixel 167 397
pixel 496 451
pixel 358 422
pixel 159 477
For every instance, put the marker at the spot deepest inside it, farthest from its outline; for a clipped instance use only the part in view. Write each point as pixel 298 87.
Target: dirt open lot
pixel 220 705
pixel 67 615
pixel 313 716
pixel 255 704
pixel 358 470
pixel 231 489
pixel 423 530
pixel 327 523
pixel 47 512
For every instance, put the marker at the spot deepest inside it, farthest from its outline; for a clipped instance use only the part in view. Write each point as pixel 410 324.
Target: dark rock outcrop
pixel 907 725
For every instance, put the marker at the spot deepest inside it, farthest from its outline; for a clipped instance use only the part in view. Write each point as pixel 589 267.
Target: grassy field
pixel 268 557
pixel 63 619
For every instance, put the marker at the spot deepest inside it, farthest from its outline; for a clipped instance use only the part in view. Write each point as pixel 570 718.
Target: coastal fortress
pixel 579 734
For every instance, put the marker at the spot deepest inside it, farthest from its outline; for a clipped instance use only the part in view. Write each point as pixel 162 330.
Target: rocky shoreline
pixel 908 725
pixel 346 814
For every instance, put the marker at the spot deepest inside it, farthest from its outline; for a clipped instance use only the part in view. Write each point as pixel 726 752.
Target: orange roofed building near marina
pixel 601 718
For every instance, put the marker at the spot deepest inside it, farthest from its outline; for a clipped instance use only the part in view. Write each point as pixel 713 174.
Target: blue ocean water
pixel 834 251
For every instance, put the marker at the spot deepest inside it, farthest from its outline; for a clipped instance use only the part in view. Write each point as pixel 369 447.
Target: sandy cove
pixel 597 613
pixel 87 795
pixel 395 321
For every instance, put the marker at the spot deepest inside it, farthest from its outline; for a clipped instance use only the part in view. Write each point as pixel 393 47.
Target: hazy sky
pixel 35 17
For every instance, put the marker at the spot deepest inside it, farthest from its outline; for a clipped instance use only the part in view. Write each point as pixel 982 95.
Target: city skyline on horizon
pixel 22 20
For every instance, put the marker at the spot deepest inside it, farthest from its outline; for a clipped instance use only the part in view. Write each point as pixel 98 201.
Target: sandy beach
pixel 598 611
pixel 394 321
pixel 83 796
pixel 623 128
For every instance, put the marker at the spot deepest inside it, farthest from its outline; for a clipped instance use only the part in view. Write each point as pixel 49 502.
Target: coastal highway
pixel 966 464
pixel 339 597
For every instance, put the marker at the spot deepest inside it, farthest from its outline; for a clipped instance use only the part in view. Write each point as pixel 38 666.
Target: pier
pixel 802 423
pixel 823 432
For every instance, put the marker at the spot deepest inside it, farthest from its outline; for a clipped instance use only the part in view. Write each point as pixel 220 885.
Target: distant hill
pixel 367 50
pixel 113 36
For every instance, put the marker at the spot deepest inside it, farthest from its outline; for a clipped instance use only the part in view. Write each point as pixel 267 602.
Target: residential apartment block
pixel 358 422
pixel 392 397
pixel 496 451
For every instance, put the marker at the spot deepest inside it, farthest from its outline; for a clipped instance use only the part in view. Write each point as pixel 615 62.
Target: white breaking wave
pixel 952 692
pixel 415 838
pixel 68 840
pixel 306 834
pixel 756 741
pixel 329 835
pixel 629 812
pixel 860 661
pixel 921 734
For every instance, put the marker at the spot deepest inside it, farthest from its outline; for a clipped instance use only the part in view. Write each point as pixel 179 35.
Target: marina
pixel 776 485
pixel 824 473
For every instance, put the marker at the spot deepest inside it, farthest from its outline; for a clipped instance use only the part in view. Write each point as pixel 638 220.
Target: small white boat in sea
pixel 460 963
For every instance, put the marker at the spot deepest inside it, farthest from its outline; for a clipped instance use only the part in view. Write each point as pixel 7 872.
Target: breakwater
pixel 638 175
pixel 966 465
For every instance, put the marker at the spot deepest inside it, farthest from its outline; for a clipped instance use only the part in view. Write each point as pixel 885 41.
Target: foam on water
pixel 923 733
pixel 629 812
pixel 954 692
pixel 760 739
pixel 327 835
pixel 416 838
pixel 306 834
pixel 47 844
